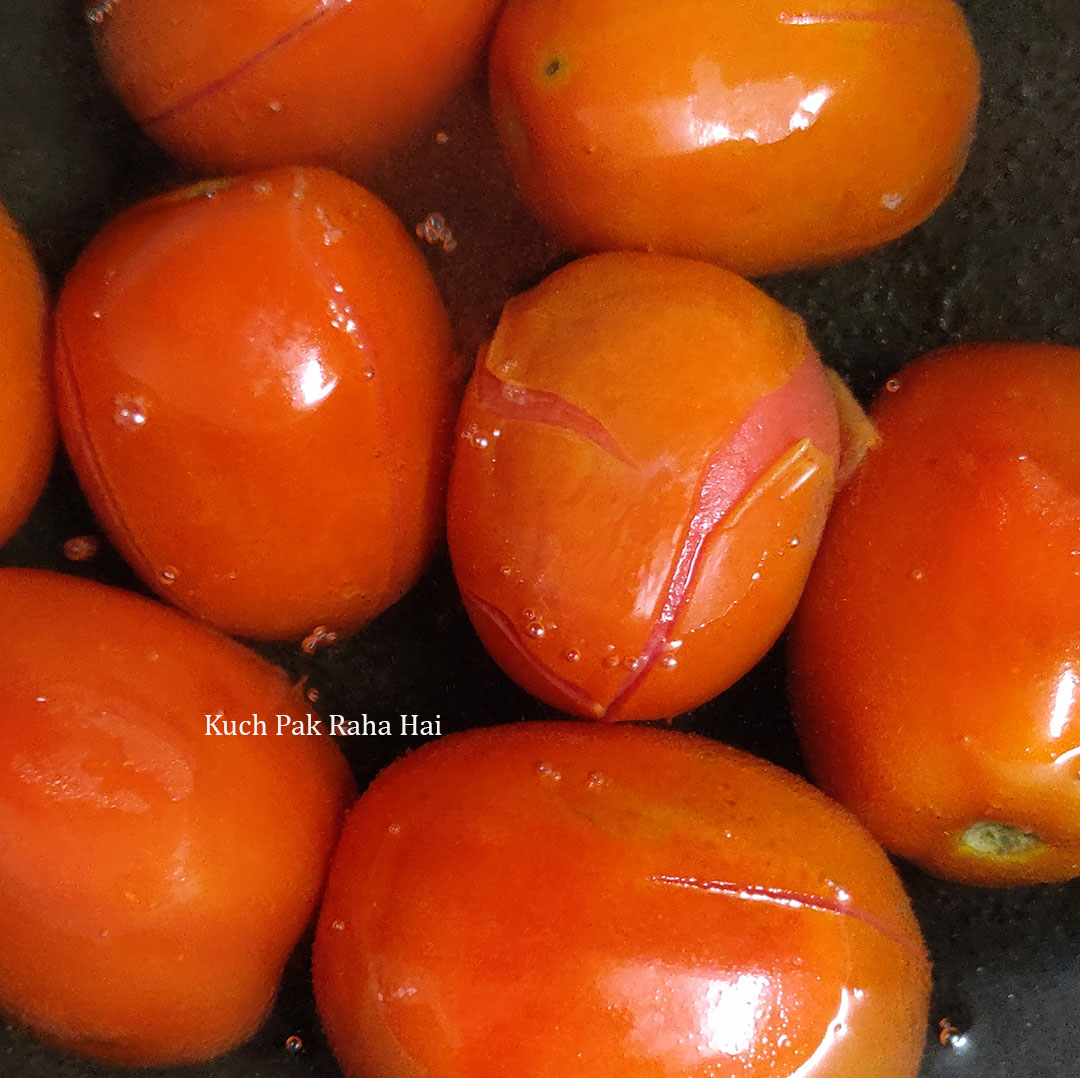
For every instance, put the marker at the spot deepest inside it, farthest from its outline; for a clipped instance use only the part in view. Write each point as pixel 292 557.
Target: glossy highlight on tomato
pixel 27 420
pixel 935 659
pixel 235 86
pixel 552 899
pixel 645 457
pixel 761 134
pixel 153 879
pixel 257 390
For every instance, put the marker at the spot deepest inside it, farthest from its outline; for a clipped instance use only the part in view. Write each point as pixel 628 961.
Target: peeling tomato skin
pixel 760 134
pixel 257 390
pixel 27 411
pixel 234 86
pixel 612 902
pixel 154 877
pixel 644 461
pixel 934 658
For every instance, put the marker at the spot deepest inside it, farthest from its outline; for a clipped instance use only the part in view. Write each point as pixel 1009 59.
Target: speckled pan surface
pixel 1001 259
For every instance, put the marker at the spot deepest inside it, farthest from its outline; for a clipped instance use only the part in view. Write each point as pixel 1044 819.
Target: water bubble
pixel 505 570
pixel 168 575
pixel 338 925
pixel 442 138
pixel 793 541
pixel 669 662
pixel 572 655
pixel 950 1035
pixel 892 385
pixel 274 106
pixel 611 662
pixel 633 662
pixel 434 230
pixel 892 201
pixel 97 14
pixel 916 574
pixel 393 829
pixel 529 614
pixel 548 772
pixel 262 188
pixel 535 630
pixel 81 547
pixel 294 1044
pixel 369 373
pixel 673 645
pixel 129 412
pixel 755 575
pixel 312 695
pixel 595 779
pixel 319 637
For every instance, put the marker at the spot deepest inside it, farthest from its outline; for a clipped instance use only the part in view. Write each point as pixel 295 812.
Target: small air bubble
pixel 892 201
pixel 81 547
pixel 633 662
pixel 548 772
pixel 275 106
pixel 595 779
pixel 129 412
pixel 434 230
pixel 168 575
pixel 572 656
pixel 96 15
pixel 892 385
pixel 916 574
pixel 505 570
pixel 794 541
pixel 611 662
pixel 294 1044
pixel 669 662
pixel 319 637
pixel 312 695
pixel 261 188
pixel 535 630
pixel 950 1035
pixel 369 373
pixel 755 575
pixel 394 829
pixel 529 614
pixel 338 925
pixel 442 138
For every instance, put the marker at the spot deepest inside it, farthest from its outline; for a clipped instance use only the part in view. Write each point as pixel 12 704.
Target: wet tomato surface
pixel 612 902
pixel 257 390
pixel 760 134
pixel 935 660
pixel 153 879
pixel 234 86
pixel 27 424
pixel 645 457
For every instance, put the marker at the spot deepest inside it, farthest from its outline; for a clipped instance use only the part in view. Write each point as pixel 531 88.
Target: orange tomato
pixel 27 422
pixel 257 390
pixel 544 900
pixel 153 877
pixel 645 459
pixel 234 85
pixel 756 133
pixel 935 660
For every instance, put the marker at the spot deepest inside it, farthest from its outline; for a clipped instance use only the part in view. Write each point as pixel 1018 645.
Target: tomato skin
pixel 645 459
pixel 153 879
pixel 547 899
pixel 257 391
pixel 747 132
pixel 234 86
pixel 936 652
pixel 27 413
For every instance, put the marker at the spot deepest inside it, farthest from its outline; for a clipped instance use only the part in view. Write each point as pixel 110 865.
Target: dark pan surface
pixel 1001 260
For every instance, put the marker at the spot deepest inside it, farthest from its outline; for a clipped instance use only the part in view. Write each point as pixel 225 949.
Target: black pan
pixel 1001 260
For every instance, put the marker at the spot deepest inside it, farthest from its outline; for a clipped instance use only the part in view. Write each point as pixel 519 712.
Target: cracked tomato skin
pixel 232 86
pixel 935 659
pixel 552 899
pixel 153 879
pixel 760 134
pixel 27 420
pixel 257 390
pixel 645 457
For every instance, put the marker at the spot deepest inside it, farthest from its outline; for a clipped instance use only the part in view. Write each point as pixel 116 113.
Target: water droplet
pixel 338 925
pixel 274 106
pixel 595 779
pixel 755 575
pixel 669 662
pixel 81 547
pixel 505 570
pixel 394 829
pixel 369 373
pixel 673 645
pixel 950 1035
pixel 168 575
pixel 535 630
pixel 633 662
pixel 312 695
pixel 442 138
pixel 294 1044
pixel 41 699
pixel 916 574
pixel 104 933
pixel 95 314
pixel 572 656
pixel 892 385
pixel 129 412
pixel 793 541
pixel 548 772
pixel 319 637
pixel 262 188
pixel 611 662
pixel 434 230
pixel 892 201
pixel 529 614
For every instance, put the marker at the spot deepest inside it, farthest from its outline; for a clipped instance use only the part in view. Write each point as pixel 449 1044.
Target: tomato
pixel 257 390
pixel 936 656
pixel 153 876
pixel 759 134
pixel 645 458
pixel 27 422
pixel 233 86
pixel 544 900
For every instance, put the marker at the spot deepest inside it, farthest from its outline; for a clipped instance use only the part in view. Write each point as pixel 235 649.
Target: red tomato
pixel 27 423
pixel 935 660
pixel 545 900
pixel 234 85
pixel 645 459
pixel 756 133
pixel 153 877
pixel 257 390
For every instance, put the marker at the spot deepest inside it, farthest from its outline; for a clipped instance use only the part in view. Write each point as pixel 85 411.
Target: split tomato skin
pixel 234 87
pixel 645 457
pixel 548 899
pixel 936 653
pixel 257 390
pixel 153 878
pixel 758 135
pixel 27 412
